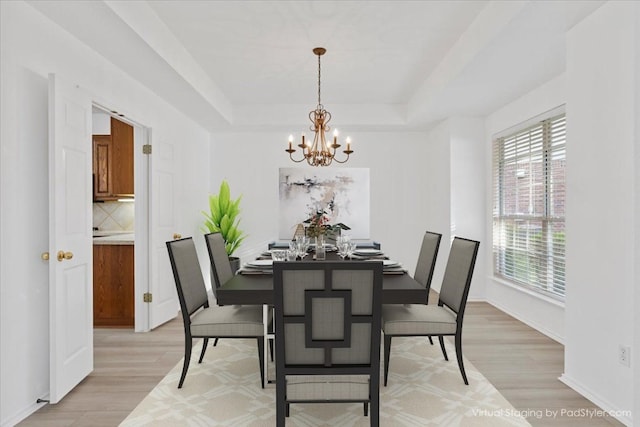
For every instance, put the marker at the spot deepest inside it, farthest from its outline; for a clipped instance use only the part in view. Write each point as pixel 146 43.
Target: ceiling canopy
pixel 389 64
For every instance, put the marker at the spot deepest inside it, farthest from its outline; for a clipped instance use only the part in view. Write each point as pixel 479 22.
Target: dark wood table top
pixel 257 289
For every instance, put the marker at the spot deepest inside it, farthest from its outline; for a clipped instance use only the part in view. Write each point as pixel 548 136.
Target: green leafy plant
pixel 223 217
pixel 319 224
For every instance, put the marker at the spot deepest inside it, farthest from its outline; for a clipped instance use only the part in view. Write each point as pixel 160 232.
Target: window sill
pixel 551 300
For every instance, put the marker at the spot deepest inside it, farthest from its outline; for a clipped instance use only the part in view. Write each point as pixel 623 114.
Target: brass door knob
pixel 44 256
pixel 62 255
pixel 177 236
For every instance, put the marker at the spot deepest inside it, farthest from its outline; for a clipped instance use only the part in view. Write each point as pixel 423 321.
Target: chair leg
pixel 204 348
pixel 271 349
pixel 288 409
pixel 215 343
pixel 430 340
pixel 366 409
pixel 444 352
pixel 387 354
pixel 261 359
pixel 374 394
pixel 188 342
pixel 459 356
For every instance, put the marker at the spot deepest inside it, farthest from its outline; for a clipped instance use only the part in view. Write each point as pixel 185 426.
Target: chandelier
pixel 319 152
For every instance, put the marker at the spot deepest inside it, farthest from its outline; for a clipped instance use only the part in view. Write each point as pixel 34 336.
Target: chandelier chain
pixel 319 103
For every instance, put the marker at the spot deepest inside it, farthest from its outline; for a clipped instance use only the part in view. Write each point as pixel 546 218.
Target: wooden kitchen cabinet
pixel 102 167
pixel 113 286
pixel 113 163
pixel 122 158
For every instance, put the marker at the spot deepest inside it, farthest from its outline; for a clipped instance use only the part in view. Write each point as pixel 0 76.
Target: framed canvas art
pixel 342 193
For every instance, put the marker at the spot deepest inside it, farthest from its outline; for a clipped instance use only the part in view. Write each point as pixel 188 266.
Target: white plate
pixel 261 263
pixel 366 251
pixel 385 262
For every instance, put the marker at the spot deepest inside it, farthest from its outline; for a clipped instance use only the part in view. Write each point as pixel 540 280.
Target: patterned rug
pixel 423 390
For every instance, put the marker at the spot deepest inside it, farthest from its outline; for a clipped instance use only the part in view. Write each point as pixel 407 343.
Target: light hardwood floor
pixel 523 364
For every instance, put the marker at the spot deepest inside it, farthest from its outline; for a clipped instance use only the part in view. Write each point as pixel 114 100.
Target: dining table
pixel 256 288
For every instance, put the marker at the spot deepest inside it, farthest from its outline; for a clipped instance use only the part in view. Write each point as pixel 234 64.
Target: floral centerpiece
pixel 319 225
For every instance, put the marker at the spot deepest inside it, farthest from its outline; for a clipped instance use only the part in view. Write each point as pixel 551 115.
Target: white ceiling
pixel 389 64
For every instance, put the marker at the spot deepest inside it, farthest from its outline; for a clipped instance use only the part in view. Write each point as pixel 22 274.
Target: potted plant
pixel 223 217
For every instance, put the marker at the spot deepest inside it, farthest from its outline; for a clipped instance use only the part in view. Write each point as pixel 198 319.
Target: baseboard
pixel 624 416
pixel 22 415
pixel 528 322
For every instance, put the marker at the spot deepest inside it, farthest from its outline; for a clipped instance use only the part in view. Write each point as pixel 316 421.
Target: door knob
pixel 44 256
pixel 177 236
pixel 62 255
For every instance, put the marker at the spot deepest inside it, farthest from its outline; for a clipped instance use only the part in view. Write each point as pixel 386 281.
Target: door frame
pixel 141 173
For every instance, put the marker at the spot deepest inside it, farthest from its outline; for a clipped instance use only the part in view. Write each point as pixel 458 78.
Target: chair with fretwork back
pixel 327 334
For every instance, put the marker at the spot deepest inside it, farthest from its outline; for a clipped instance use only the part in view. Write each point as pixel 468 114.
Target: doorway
pixel 137 207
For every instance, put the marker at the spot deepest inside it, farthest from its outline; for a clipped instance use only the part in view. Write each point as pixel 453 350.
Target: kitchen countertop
pixel 114 239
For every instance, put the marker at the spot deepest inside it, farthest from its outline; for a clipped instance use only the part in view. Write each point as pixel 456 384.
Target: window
pixel 529 206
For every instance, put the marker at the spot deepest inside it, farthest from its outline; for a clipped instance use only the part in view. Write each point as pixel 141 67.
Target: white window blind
pixel 529 206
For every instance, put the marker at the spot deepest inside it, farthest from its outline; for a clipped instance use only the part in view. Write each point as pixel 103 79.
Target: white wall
pixel 544 314
pixel 438 205
pixel 456 197
pixel 468 170
pixel 400 181
pixel 415 178
pixel 601 81
pixel 635 359
pixel 31 47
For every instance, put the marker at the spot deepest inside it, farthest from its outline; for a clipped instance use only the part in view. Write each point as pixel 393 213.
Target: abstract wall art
pixel 343 193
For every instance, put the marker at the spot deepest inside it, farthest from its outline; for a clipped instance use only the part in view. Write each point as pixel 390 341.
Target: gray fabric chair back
pixel 458 273
pixel 427 258
pixel 327 316
pixel 220 265
pixel 192 291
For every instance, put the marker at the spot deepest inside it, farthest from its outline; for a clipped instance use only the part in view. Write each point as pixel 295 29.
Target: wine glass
pixel 343 247
pixel 351 247
pixel 293 247
pixel 302 244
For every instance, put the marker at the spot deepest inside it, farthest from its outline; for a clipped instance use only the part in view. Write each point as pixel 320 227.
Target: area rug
pixel 423 390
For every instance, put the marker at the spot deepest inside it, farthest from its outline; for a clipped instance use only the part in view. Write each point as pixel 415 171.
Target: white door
pixel 164 304
pixel 70 238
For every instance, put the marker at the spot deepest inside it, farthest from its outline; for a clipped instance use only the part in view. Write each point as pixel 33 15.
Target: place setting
pixel 257 266
pixel 392 267
pixel 363 253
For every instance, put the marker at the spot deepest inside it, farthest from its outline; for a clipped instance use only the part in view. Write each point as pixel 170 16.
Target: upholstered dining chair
pixel 221 270
pixel 427 262
pixel 427 259
pixel 202 321
pixel 327 334
pixel 436 320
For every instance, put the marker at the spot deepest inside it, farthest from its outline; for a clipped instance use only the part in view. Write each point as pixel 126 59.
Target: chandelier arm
pixel 343 161
pixel 290 151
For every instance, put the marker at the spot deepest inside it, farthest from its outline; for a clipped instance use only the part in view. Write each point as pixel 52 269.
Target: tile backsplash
pixel 114 216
